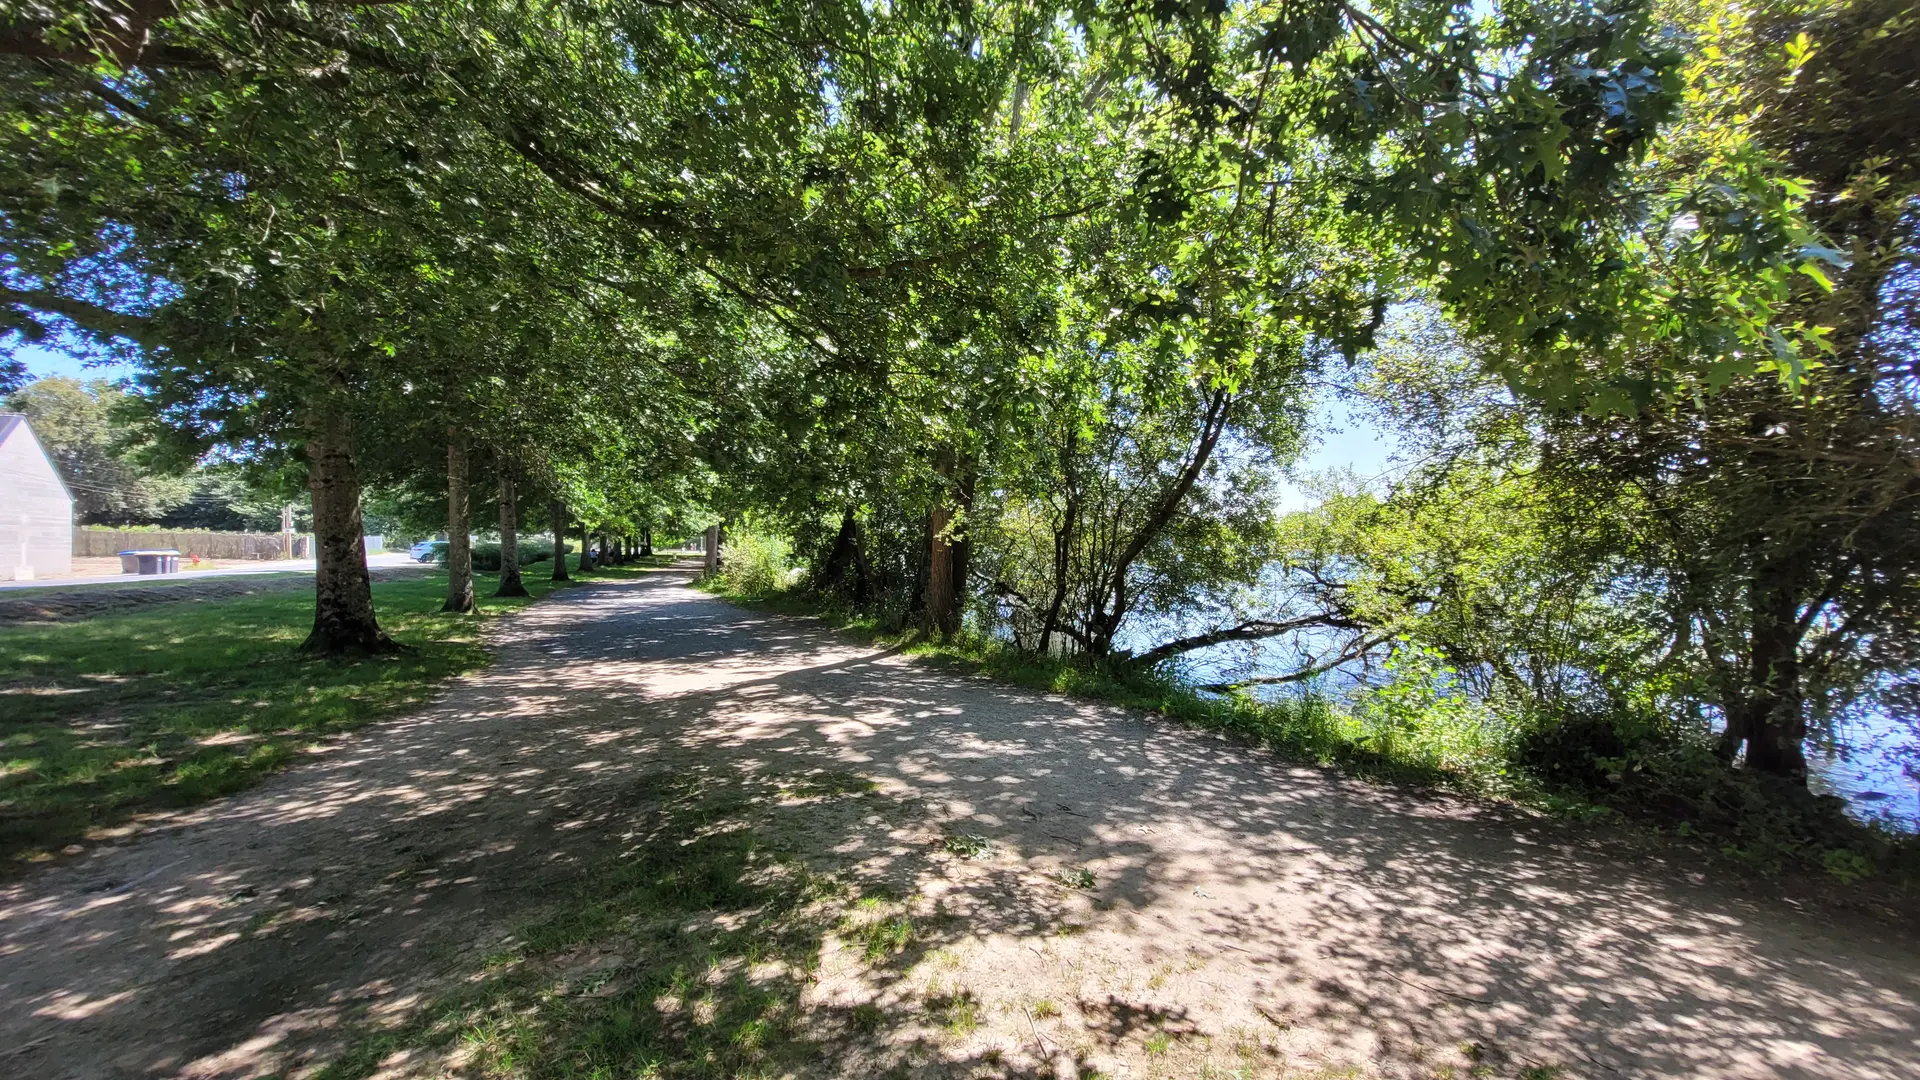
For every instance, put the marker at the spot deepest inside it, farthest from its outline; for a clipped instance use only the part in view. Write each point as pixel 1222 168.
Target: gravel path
pixel 1239 905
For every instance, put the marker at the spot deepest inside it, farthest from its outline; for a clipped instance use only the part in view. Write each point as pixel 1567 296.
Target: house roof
pixel 11 422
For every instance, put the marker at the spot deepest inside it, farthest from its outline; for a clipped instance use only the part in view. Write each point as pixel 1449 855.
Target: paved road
pixel 1239 906
pixel 250 569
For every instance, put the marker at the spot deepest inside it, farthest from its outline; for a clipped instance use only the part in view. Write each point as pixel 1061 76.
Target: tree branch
pixel 1355 649
pixel 1251 630
pixel 90 316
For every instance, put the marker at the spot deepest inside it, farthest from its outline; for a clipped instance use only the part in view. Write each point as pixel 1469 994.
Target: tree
pixel 1783 516
pixel 97 452
pixel 510 583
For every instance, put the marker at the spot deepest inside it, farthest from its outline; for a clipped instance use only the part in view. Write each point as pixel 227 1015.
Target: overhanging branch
pixel 1354 650
pixel 1251 630
pixel 90 316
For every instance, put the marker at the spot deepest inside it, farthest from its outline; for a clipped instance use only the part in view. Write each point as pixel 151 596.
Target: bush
pixel 486 557
pixel 755 564
pixel 1667 775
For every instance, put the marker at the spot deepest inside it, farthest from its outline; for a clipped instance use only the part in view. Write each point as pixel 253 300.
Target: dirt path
pixel 1232 911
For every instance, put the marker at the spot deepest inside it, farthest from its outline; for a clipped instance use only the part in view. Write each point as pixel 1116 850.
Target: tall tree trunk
pixel 510 583
pixel 459 529
pixel 943 596
pixel 962 543
pixel 558 511
pixel 646 543
pixel 846 571
pixel 712 541
pixel 343 620
pixel 1775 721
pixel 941 613
pixel 1062 562
pixel 586 549
pixel 1110 601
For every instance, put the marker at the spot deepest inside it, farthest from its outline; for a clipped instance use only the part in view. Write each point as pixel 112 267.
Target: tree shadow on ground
pixel 664 834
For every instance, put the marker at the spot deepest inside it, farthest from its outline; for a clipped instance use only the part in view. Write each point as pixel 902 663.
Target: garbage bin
pixel 149 562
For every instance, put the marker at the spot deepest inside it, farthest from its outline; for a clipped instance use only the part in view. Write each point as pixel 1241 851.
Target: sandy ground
pixel 1243 913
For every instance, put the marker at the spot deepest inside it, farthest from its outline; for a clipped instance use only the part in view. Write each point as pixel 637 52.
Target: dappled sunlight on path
pixel 1228 898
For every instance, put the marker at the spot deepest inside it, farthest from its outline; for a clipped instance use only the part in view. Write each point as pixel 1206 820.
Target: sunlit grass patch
pixel 827 785
pixel 720 937
pixel 168 707
pixel 957 1013
pixel 968 846
pixel 878 938
pixel 1081 878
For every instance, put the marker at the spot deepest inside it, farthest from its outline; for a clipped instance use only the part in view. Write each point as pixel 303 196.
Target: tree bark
pixel 1775 720
pixel 510 583
pixel 558 511
pixel 459 529
pixel 961 560
pixel 846 571
pixel 1110 605
pixel 1063 540
pixel 1062 560
pixel 343 619
pixel 942 602
pixel 712 540
pixel 942 614
pixel 646 543
pixel 586 549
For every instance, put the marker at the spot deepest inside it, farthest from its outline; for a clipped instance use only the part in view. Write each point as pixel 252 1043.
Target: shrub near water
pixel 755 564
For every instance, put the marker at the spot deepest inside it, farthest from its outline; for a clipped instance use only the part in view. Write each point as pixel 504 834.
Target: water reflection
pixel 1875 766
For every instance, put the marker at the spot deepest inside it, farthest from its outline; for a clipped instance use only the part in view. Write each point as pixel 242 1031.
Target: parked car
pixel 427 551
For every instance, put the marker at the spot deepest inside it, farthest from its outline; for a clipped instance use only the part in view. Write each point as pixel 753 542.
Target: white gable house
pixel 36 511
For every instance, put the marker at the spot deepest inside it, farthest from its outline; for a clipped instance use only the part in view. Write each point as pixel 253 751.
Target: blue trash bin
pixel 150 561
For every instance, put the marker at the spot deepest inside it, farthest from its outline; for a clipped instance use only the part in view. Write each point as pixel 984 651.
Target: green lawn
pixel 168 707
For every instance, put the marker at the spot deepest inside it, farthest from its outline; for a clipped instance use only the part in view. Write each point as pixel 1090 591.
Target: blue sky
pixel 44 362
pixel 1340 439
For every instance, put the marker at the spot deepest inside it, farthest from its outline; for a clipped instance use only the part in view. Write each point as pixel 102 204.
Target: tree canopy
pixel 1013 315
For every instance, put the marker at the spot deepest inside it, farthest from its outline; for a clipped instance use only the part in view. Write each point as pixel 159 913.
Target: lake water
pixel 1874 764
pixel 1876 768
